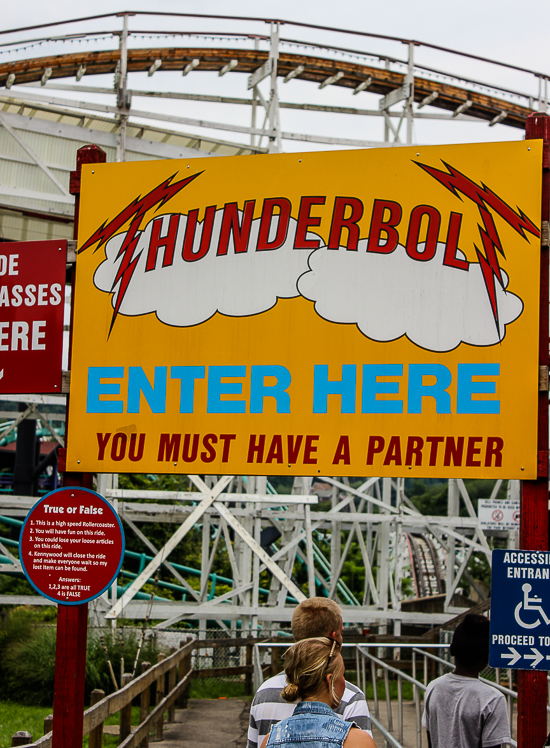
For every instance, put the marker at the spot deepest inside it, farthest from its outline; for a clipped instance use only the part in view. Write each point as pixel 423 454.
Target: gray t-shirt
pixel 464 713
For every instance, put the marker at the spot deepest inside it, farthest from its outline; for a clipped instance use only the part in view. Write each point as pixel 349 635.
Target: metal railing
pixel 380 672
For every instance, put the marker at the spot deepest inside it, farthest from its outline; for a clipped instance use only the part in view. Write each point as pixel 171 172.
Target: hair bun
pixel 290 692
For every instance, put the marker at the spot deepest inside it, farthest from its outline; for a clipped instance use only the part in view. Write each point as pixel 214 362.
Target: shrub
pixel 27 658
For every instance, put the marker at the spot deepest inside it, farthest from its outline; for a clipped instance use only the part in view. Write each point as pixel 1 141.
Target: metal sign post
pixel 72 620
pixel 71 548
pixel 532 685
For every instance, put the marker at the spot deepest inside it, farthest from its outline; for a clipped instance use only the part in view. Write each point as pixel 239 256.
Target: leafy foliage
pixel 27 658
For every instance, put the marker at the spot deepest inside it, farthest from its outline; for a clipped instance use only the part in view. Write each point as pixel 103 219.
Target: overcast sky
pixel 505 30
pixel 515 32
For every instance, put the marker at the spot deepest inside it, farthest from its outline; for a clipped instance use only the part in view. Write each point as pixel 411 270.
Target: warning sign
pixel 498 514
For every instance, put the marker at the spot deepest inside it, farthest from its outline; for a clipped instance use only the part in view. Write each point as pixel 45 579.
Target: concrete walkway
pixel 409 724
pixel 208 723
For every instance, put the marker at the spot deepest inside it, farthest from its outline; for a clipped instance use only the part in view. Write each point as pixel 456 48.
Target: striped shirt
pixel 268 708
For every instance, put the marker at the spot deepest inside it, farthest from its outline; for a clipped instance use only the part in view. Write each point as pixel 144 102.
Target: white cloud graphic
pixel 390 295
pixel 188 293
pixel 386 295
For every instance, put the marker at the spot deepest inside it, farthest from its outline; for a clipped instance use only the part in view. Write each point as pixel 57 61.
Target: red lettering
pixel 294 444
pixel 167 243
pixel 305 221
pixel 256 448
pixel 102 441
pixel 453 451
pixel 340 222
pixel 414 449
pixel 209 455
pixel 275 453
pixel 432 235
pixel 379 225
pixel 230 225
pixel 376 445
pixel 393 453
pixel 136 454
pixel 169 447
pixel 451 245
pixel 226 439
pixel 472 451
pixel 266 220
pixel 310 449
pixel 206 234
pixel 434 442
pixel 342 453
pixel 118 446
pixel 494 449
pixel 187 454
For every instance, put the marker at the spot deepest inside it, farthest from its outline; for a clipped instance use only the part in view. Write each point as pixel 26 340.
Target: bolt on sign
pixel 32 300
pixel 359 312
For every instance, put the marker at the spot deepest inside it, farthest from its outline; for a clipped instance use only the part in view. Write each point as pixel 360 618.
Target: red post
pixel 532 685
pixel 72 620
pixel 70 667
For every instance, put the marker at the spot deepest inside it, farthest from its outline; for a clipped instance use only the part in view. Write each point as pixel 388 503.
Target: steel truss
pixel 377 515
pixel 233 513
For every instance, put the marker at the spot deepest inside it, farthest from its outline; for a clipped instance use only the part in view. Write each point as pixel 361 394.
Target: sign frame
pixel 383 427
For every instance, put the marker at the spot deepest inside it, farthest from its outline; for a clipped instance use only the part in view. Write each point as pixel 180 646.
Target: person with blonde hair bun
pixel 317 616
pixel 314 671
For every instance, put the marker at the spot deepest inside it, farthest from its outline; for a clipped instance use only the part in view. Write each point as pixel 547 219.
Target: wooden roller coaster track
pixel 483 106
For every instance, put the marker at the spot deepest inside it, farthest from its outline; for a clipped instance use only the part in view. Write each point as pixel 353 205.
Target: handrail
pixel 507 691
pixel 418 688
pixel 283 22
pixel 388 737
pixel 113 703
pixel 391 669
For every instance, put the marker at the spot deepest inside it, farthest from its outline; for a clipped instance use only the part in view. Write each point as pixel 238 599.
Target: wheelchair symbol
pixel 530 603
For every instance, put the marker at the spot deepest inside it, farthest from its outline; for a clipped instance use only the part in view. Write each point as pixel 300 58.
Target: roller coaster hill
pixel 215 86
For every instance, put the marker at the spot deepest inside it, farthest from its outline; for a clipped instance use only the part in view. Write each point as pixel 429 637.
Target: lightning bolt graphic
pixel 133 212
pixel 485 198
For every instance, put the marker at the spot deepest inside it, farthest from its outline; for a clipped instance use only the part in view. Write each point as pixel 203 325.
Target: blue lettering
pixel 372 387
pixel 187 375
pixel 466 387
pixel 96 388
pixel 323 387
pixel 154 395
pixel 437 390
pixel 217 388
pixel 259 390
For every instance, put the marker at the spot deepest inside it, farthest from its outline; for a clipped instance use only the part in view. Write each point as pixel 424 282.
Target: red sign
pixel 32 301
pixel 71 545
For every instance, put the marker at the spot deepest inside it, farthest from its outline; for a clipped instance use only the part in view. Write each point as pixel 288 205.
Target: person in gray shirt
pixel 459 710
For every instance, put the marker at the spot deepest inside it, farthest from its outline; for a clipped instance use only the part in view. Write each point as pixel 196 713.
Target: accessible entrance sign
pixel 520 610
pixel 32 301
pixel 71 545
pixel 344 313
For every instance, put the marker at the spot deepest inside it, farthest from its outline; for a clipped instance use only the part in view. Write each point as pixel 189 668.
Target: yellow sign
pixel 349 313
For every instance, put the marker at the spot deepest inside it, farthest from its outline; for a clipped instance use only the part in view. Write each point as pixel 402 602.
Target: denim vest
pixel 313 723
